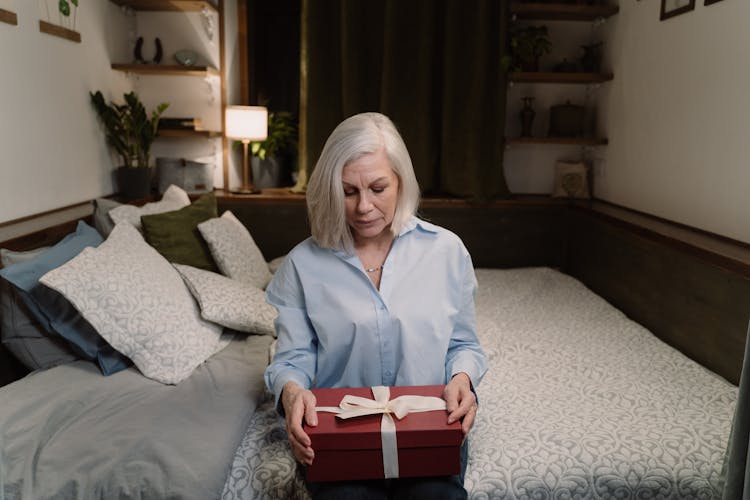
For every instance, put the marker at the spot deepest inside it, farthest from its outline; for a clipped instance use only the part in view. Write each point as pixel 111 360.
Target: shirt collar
pixel 414 223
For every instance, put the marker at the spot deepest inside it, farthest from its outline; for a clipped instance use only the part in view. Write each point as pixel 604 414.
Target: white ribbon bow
pixel 356 406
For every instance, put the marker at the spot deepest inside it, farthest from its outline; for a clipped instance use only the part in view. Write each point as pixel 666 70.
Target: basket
pixel 193 176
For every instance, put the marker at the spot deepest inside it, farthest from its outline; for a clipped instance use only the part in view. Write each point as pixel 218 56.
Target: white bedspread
pixel 579 402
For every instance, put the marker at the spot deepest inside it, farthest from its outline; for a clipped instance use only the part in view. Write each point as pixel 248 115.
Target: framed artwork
pixel 58 18
pixel 671 8
pixel 571 180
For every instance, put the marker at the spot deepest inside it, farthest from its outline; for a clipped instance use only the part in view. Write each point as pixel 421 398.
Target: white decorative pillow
pixel 136 300
pixel 236 305
pixel 174 198
pixel 234 250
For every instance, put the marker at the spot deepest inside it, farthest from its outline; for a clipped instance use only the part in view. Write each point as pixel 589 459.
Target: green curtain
pixel 735 475
pixel 432 66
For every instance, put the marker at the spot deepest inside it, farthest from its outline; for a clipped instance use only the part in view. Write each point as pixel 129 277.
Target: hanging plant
pixel 65 10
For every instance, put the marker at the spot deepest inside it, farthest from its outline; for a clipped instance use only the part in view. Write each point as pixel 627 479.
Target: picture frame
pixel 709 2
pixel 671 8
pixel 571 180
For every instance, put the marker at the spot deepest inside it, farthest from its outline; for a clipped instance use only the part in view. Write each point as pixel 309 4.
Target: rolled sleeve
pixel 464 352
pixel 296 347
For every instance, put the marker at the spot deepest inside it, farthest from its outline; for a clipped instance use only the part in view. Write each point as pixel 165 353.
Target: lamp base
pixel 245 190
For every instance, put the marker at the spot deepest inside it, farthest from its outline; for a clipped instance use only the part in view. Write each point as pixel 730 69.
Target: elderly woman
pixel 375 297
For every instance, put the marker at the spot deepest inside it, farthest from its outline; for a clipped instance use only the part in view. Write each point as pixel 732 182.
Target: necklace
pixel 373 269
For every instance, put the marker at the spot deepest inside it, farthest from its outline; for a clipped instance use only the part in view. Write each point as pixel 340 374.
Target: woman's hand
pixel 299 403
pixel 460 401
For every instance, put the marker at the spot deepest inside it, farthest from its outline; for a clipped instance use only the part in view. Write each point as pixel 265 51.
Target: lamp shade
pixel 246 122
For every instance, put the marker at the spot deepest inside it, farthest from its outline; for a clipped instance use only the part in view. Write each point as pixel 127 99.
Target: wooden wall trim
pixel 243 42
pixel 9 17
pixel 695 301
pixel 223 85
pixel 26 218
pixel 725 253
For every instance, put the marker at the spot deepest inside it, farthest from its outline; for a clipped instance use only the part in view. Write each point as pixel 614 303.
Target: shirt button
pixel 387 374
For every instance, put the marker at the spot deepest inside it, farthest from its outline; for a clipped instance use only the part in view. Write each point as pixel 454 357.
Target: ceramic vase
pixel 527 115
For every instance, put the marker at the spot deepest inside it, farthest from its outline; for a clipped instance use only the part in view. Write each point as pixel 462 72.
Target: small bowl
pixel 186 57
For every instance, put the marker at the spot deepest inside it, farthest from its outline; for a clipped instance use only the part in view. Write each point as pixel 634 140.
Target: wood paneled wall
pixel 689 299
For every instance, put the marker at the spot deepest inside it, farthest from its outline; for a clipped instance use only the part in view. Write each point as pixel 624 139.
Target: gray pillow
pixel 20 333
pixel 102 221
pixel 25 338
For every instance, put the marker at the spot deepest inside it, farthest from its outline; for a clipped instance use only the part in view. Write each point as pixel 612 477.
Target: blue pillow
pixel 53 311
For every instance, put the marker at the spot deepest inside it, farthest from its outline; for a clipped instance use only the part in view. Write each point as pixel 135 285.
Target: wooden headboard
pixel 695 298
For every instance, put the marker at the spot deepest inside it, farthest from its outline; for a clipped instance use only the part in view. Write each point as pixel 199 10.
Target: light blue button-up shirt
pixel 336 329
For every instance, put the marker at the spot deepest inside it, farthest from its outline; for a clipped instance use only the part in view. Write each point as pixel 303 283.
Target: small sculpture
pixel 527 116
pixel 139 47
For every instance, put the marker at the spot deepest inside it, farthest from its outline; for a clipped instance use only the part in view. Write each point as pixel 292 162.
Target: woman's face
pixel 370 195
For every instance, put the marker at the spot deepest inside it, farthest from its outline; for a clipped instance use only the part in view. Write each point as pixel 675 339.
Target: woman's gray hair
pixel 355 137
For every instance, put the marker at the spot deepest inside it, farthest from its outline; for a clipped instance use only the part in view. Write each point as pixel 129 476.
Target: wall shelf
pixel 167 5
pixel 177 133
pixel 558 77
pixel 561 11
pixel 166 69
pixel 564 141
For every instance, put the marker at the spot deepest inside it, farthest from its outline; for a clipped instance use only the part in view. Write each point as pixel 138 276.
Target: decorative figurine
pixel 527 115
pixel 138 51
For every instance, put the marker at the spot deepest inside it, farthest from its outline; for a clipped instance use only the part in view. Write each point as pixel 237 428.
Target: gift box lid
pixel 415 430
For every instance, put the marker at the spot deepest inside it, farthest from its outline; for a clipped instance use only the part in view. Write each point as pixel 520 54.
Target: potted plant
pixel 130 130
pixel 527 45
pixel 270 155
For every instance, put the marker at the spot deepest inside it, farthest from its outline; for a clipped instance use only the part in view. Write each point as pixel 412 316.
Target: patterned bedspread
pixel 579 403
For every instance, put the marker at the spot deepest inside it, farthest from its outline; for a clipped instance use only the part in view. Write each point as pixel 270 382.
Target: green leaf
pixel 282 136
pixel 64 7
pixel 128 127
pixel 74 2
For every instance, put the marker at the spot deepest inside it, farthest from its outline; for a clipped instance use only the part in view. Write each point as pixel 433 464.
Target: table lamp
pixel 246 123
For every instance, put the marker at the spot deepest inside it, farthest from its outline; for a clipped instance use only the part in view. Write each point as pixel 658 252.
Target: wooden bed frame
pixel 681 284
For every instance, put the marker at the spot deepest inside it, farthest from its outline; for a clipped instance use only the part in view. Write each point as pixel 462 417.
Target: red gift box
pixel 352 449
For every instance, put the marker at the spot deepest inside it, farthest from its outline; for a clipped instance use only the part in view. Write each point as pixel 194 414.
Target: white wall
pixel 53 148
pixel 678 115
pixel 53 152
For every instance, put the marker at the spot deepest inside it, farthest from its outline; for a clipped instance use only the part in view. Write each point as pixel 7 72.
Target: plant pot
pixel 267 173
pixel 133 182
pixel 529 65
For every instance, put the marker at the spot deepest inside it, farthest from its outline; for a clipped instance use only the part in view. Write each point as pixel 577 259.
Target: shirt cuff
pixel 278 388
pixel 471 385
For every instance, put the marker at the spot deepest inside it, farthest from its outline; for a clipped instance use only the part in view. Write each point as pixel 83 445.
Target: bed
pixel 579 402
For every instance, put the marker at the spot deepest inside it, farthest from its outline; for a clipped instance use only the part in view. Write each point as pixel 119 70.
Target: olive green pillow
pixel 175 234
